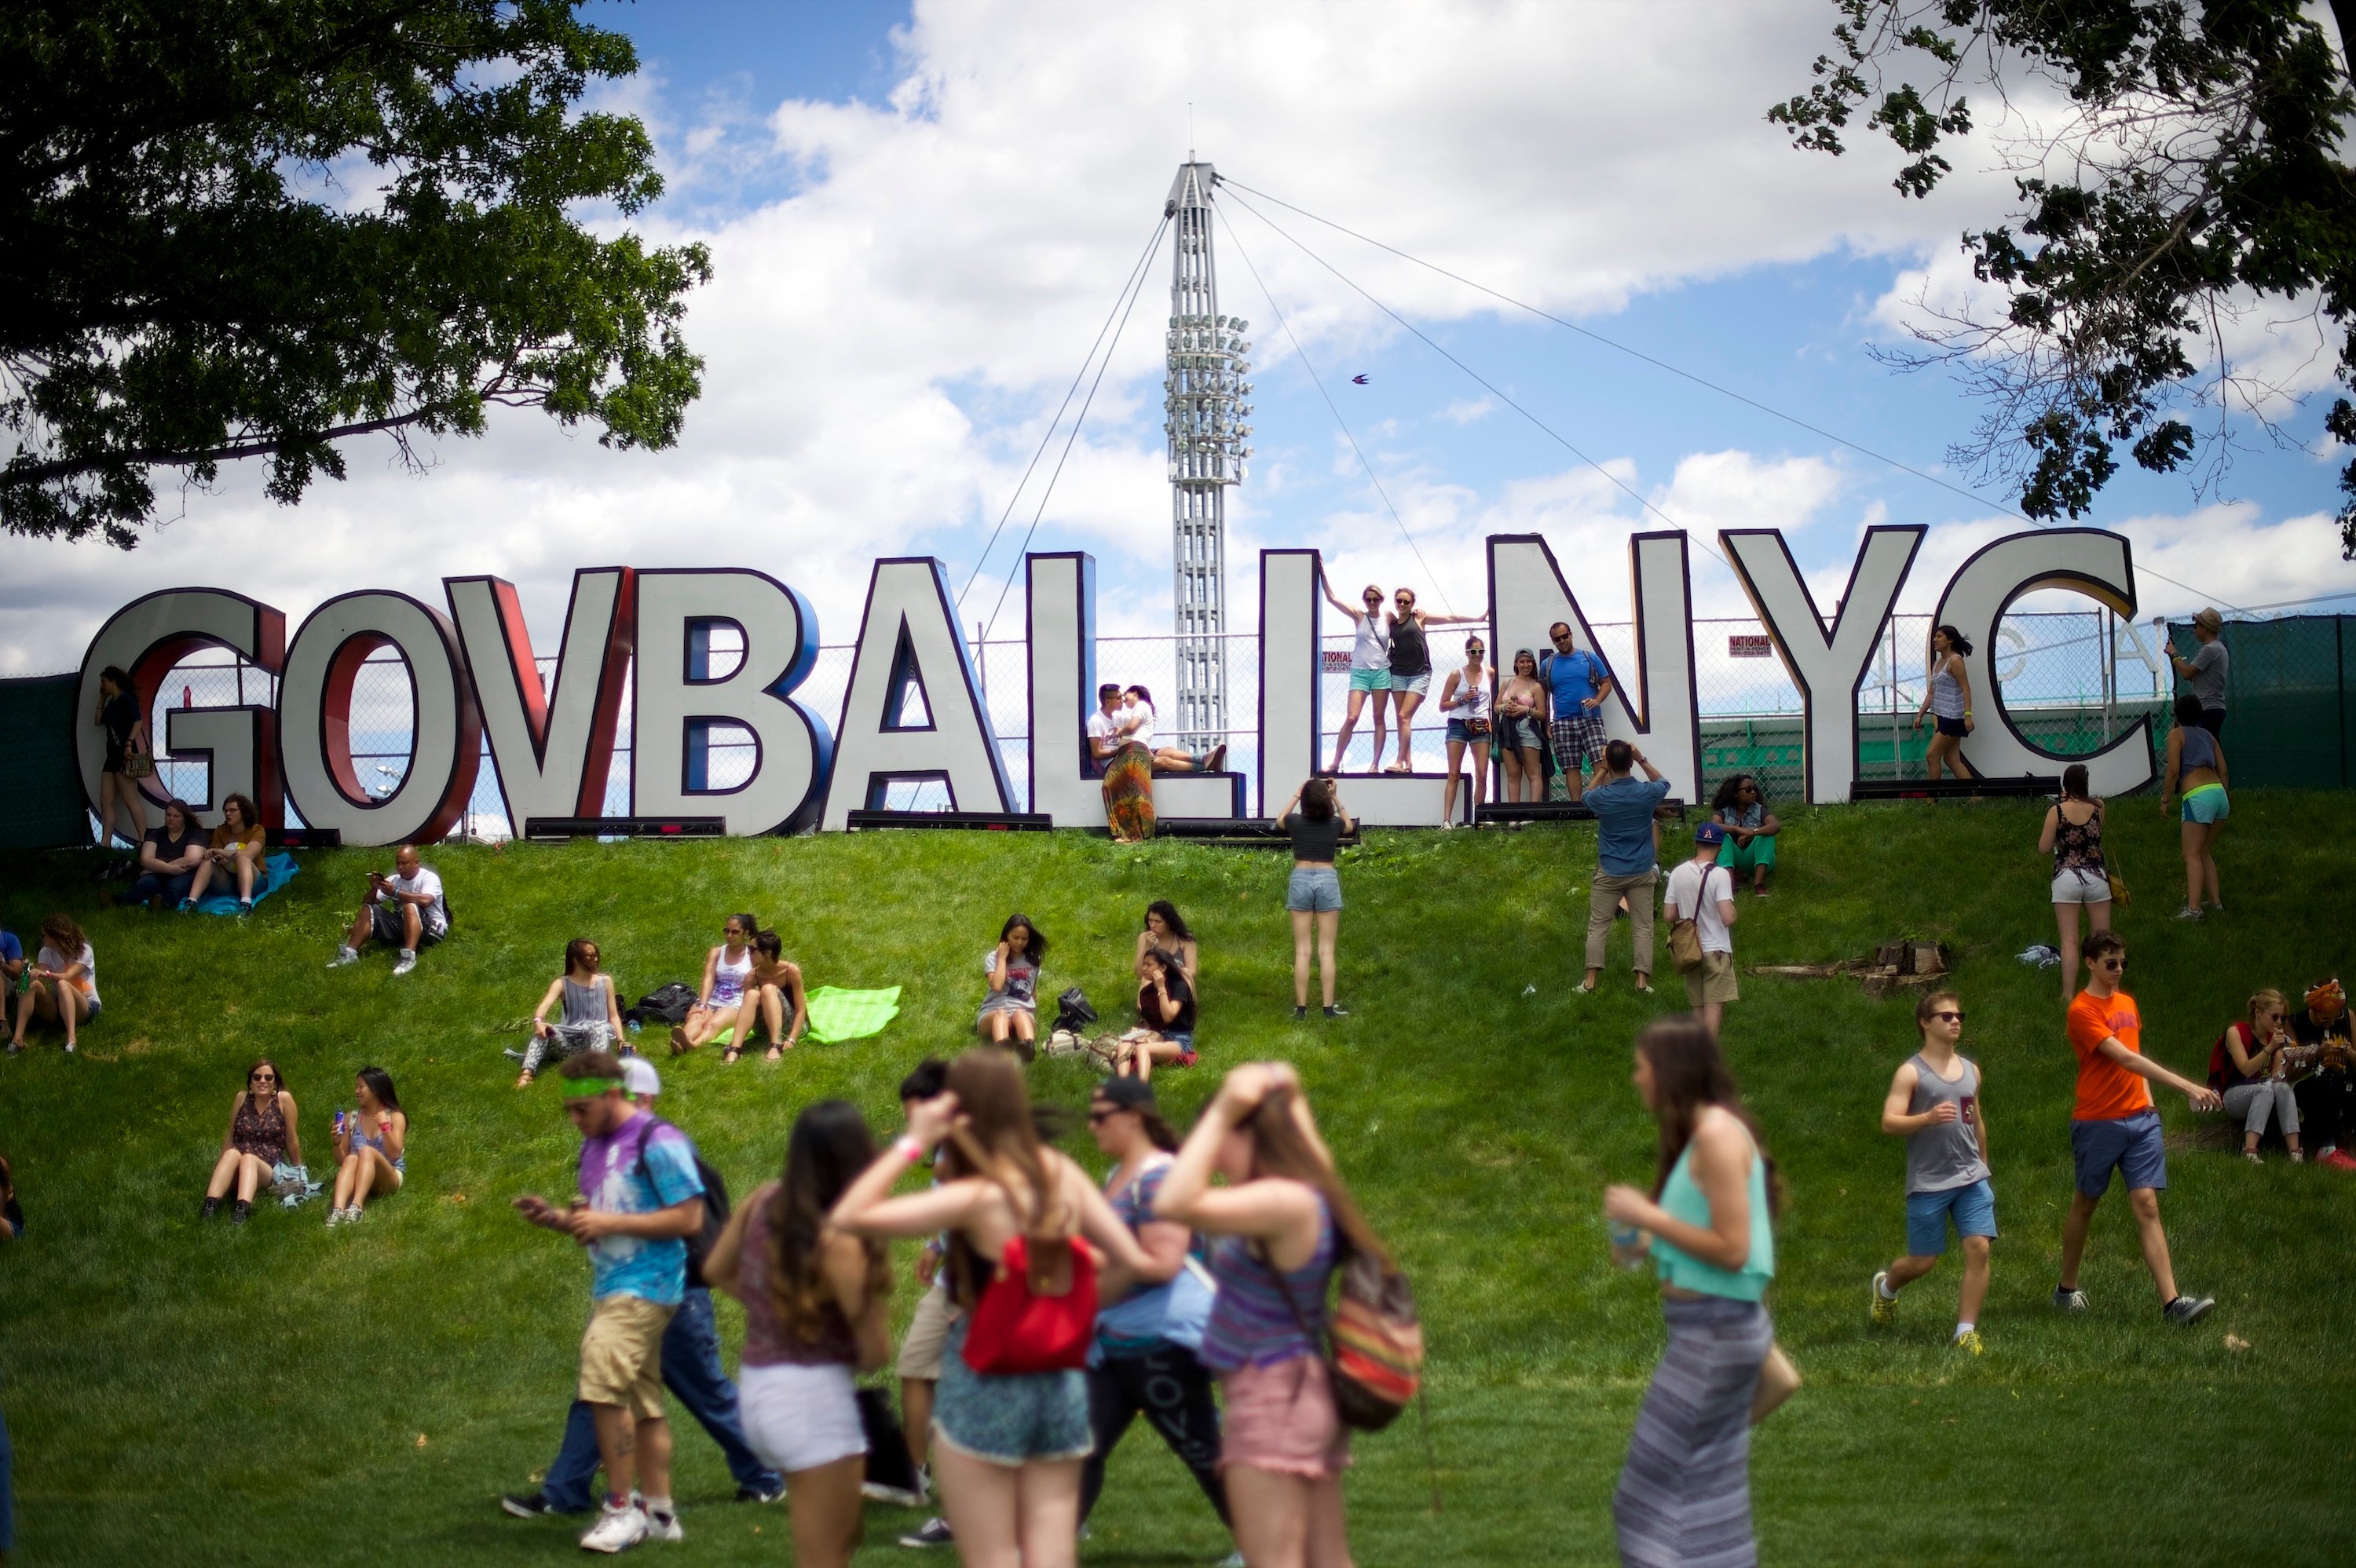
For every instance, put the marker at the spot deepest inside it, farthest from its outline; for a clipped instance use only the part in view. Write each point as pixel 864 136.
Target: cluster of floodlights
pixel 1208 365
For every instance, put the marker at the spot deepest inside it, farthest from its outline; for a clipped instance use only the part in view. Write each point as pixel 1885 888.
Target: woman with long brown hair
pixel 262 1133
pixel 1011 1412
pixel 1285 1220
pixel 1685 1495
pixel 815 1313
pixel 1315 819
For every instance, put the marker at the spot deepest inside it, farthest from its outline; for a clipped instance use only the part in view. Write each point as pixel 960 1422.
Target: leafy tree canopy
pixel 2178 165
pixel 256 228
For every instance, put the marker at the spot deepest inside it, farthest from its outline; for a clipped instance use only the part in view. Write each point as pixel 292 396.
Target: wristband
pixel 908 1148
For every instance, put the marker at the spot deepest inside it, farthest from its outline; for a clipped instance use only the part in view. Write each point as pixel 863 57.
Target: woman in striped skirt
pixel 1685 1497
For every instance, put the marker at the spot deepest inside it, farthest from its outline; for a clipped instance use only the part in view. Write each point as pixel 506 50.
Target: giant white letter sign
pixel 2092 561
pixel 314 717
pixel 553 752
pixel 146 637
pixel 675 705
pixel 1527 595
pixel 908 634
pixel 1827 669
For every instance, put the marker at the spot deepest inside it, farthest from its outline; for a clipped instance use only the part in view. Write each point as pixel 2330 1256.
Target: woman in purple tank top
pixel 1283 1219
pixel 814 1313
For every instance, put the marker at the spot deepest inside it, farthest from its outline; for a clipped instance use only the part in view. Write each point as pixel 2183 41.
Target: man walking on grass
pixel 1934 1105
pixel 1702 892
pixel 2116 1127
pixel 1623 859
pixel 639 1200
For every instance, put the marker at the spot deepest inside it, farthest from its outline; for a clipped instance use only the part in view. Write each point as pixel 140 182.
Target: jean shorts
pixel 1370 679
pixel 1009 1418
pixel 1972 1205
pixel 1419 684
pixel 2130 1144
pixel 2206 804
pixel 1317 888
pixel 1459 731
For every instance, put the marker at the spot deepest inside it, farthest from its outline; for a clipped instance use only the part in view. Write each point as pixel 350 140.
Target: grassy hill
pixel 284 1393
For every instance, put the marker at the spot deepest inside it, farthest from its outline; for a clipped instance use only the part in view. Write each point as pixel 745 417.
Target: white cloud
pixel 1466 411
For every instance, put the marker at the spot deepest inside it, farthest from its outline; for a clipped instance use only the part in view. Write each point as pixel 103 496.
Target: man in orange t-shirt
pixel 2115 1127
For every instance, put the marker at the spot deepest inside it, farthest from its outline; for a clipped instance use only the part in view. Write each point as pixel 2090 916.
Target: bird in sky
pixel 1359 379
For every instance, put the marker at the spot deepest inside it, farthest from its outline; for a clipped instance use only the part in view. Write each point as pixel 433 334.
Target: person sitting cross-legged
pixel 234 858
pixel 1165 1017
pixel 406 909
pixel 371 1146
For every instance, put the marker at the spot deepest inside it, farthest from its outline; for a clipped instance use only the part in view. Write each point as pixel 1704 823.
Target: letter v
pixel 553 752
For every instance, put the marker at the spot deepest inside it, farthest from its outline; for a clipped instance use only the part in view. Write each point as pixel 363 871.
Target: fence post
pixel 2339 685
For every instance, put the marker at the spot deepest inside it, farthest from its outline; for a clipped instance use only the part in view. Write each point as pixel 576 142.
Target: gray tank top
pixel 1940 1158
pixel 1946 693
pixel 584 1004
pixel 2200 749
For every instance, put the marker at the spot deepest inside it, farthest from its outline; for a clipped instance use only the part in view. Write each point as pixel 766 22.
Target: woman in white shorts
pixel 814 1315
pixel 2081 876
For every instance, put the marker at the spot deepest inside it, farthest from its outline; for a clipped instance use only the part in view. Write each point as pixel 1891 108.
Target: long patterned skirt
pixel 1128 794
pixel 1685 1497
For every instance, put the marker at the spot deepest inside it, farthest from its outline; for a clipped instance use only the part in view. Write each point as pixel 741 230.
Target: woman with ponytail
pixel 815 1313
pixel 1947 697
pixel 1285 1221
pixel 1685 1495
pixel 1011 1410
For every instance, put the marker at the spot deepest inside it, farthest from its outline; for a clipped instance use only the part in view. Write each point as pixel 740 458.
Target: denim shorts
pixel 2131 1145
pixel 1458 729
pixel 1009 1418
pixel 1370 679
pixel 1419 684
pixel 2206 804
pixel 1973 1206
pixel 1313 888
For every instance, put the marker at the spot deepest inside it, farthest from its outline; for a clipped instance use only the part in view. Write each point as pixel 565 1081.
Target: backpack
pixel 1073 1013
pixel 1374 1340
pixel 715 1200
pixel 664 1005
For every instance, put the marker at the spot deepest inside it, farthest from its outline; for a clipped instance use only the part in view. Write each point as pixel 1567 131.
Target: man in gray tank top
pixel 1934 1105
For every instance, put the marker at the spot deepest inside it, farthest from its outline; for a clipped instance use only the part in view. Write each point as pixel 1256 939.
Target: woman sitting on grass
pixel 261 1134
pixel 774 985
pixel 1165 1020
pixel 1740 808
pixel 1166 931
pixel 1009 1014
pixel 371 1146
pixel 720 1001
pixel 62 986
pixel 591 1019
pixel 235 856
pixel 2251 1067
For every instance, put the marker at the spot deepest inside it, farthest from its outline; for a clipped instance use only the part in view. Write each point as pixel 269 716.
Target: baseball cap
pixel 1709 833
pixel 638 1077
pixel 1127 1094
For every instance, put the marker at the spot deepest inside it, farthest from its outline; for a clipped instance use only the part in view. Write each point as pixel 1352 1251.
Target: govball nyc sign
pixel 631 635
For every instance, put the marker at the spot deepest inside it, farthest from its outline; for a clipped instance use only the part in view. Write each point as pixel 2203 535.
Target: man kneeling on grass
pixel 639 1200
pixel 1934 1105
pixel 2116 1127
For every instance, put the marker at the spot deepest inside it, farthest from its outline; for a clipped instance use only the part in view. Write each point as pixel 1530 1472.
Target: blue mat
pixel 277 873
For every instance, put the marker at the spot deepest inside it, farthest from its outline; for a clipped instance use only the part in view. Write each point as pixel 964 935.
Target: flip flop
pixel 678 1042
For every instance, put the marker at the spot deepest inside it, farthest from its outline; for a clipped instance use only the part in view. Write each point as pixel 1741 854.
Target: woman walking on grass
pixel 1684 1495
pixel 719 1002
pixel 1314 818
pixel 1283 1219
pixel 1466 700
pixel 591 1016
pixel 262 1132
pixel 2082 876
pixel 1011 1410
pixel 1009 1014
pixel 1947 696
pixel 371 1146
pixel 816 1313
pixel 2196 771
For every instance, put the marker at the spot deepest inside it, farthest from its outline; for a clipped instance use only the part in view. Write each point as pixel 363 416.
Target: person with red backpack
pixel 1285 1221
pixel 1011 1412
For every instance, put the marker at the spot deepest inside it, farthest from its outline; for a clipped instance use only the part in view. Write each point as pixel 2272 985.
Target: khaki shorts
pixel 1714 981
pixel 621 1355
pixel 920 1352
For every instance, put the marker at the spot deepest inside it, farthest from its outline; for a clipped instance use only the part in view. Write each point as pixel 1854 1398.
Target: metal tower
pixel 1203 389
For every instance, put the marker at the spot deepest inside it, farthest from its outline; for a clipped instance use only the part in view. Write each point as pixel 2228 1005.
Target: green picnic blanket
pixel 837 1015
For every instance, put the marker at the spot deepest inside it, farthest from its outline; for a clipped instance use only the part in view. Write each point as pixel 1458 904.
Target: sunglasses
pixel 2110 963
pixel 1953 1017
pixel 1098 1119
pixel 1558 636
pixel 264 1078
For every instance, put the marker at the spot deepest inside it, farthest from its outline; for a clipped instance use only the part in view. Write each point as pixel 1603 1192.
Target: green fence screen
pixel 2290 702
pixel 41 805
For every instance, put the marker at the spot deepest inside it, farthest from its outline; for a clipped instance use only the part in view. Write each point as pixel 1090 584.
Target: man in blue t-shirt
pixel 1576 682
pixel 639 1200
pixel 1623 859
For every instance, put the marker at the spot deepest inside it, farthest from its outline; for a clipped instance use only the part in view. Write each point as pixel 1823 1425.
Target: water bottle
pixel 1626 1244
pixel 632 1026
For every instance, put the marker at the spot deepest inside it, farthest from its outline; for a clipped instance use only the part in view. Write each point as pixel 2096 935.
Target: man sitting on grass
pixel 1934 1105
pixel 2115 1127
pixel 639 1200
pixel 405 909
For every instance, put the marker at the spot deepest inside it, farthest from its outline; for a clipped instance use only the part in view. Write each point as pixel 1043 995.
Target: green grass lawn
pixel 198 1394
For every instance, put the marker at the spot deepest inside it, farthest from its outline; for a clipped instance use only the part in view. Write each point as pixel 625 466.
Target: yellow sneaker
pixel 1968 1341
pixel 1885 1307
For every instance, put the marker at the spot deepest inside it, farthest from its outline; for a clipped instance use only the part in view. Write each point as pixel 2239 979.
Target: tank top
pixel 1315 842
pixel 1370 650
pixel 1684 1201
pixel 357 1129
pixel 767 1341
pixel 1943 1158
pixel 728 979
pixel 2222 1073
pixel 1477 709
pixel 2200 749
pixel 258 1129
pixel 1946 693
pixel 1409 656
pixel 582 1004
pixel 2078 845
pixel 1253 1324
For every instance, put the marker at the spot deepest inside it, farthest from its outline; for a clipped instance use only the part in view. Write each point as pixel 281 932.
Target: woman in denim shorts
pixel 1315 819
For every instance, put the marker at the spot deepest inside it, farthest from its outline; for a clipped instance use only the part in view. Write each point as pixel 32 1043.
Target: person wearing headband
pixel 2327 1095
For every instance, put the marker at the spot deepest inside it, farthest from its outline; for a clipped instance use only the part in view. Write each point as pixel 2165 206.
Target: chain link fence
pixel 2074 680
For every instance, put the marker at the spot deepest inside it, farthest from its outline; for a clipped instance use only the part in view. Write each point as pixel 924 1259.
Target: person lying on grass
pixel 591 1019
pixel 772 991
pixel 262 1133
pixel 1934 1105
pixel 371 1146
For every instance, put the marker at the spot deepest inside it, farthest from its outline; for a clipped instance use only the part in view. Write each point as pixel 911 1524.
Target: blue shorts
pixel 2206 804
pixel 1973 1207
pixel 1313 888
pixel 2131 1145
pixel 1008 1419
pixel 1370 679
pixel 1462 732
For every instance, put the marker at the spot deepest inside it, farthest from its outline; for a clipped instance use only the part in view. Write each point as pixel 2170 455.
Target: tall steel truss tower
pixel 1203 392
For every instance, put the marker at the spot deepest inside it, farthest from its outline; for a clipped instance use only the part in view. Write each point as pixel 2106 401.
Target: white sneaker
pixel 617 1530
pixel 665 1527
pixel 335 1218
pixel 344 955
pixel 408 961
pixel 352 1215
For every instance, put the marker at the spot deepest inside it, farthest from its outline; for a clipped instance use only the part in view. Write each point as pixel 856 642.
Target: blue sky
pixel 920 219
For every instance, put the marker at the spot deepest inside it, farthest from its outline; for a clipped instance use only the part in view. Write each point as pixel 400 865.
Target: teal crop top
pixel 1684 1201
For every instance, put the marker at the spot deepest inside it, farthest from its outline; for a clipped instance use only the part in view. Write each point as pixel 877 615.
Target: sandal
pixel 776 1053
pixel 731 1054
pixel 680 1044
pixel 524 1081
